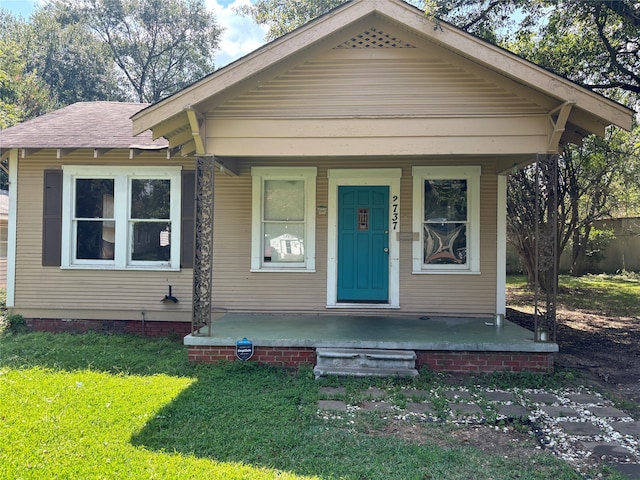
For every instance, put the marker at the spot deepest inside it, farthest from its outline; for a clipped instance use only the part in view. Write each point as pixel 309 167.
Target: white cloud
pixel 241 35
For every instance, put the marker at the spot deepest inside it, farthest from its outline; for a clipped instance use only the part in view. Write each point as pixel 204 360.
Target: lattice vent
pixel 373 38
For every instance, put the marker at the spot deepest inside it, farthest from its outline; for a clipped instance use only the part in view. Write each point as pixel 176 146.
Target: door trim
pixel 389 177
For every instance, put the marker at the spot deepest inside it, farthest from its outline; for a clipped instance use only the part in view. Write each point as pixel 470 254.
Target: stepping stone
pixel 512 411
pixel 376 406
pixel 332 391
pixel 415 407
pixel 500 396
pixel 465 409
pixel 630 470
pixel 627 428
pixel 580 428
pixel 607 412
pixel 559 412
pixel 585 398
pixel 329 405
pixel 542 398
pixel 375 393
pixel 609 449
pixel 455 394
pixel 413 393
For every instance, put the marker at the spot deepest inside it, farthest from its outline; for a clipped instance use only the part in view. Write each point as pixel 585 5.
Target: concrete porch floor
pixel 392 332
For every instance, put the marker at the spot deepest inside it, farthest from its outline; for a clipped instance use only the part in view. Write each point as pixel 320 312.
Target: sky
pixel 241 34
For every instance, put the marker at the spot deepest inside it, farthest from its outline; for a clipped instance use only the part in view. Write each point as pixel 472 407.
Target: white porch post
pixel 203 246
pixel 501 244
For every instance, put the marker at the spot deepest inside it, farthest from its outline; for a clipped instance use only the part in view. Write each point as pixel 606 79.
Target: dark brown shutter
pixel 187 228
pixel 52 218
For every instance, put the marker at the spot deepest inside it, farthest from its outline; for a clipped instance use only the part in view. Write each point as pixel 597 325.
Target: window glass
pixel 445 200
pixel 151 241
pixel 284 242
pixel 95 228
pixel 284 200
pixel 445 227
pixel 150 199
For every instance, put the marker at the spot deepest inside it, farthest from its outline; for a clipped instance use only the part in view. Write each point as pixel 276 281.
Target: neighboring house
pixel 361 166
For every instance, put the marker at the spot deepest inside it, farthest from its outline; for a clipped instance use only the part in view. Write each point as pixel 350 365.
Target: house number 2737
pixel 394 213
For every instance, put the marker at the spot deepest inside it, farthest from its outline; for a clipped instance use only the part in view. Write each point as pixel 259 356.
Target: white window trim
pixel 390 177
pixel 122 200
pixel 259 175
pixel 472 175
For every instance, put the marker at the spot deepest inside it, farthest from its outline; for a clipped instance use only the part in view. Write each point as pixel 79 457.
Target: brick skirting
pixel 467 362
pixel 135 327
pixel 445 361
pixel 280 356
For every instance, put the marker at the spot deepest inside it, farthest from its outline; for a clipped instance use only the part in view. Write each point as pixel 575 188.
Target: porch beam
pixel 203 246
pixel 228 167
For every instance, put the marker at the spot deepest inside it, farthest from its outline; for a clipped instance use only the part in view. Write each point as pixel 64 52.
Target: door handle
pixel 386 249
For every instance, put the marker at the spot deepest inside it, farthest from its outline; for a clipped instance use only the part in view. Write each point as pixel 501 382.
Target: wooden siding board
pixel 237 289
pixel 95 294
pixel 106 294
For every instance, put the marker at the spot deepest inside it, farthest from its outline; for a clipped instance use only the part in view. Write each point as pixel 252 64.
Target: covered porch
pixel 462 344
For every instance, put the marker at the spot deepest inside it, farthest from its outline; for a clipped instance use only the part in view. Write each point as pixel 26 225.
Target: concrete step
pixel 365 362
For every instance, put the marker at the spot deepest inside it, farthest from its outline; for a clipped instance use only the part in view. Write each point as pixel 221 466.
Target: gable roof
pixel 175 114
pixel 81 125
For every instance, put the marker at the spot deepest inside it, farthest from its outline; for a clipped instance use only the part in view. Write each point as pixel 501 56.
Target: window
pixel 121 217
pixel 283 219
pixel 447 217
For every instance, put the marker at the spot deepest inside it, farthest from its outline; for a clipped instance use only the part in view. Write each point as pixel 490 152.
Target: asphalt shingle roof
pixel 82 125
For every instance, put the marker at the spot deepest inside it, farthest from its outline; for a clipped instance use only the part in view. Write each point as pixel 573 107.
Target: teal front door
pixel 363 244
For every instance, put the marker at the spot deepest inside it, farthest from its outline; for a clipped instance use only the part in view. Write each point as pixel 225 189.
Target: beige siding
pixel 51 292
pixel 238 289
pixel 355 98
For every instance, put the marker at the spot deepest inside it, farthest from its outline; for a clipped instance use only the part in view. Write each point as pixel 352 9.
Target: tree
pixel 283 16
pixel 595 44
pixel 160 46
pixel 60 48
pixel 23 94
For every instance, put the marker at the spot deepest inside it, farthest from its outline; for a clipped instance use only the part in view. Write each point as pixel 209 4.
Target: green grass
pixel 93 406
pixel 614 295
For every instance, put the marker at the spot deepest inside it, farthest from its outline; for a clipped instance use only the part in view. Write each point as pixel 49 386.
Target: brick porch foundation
pixel 135 327
pixel 445 361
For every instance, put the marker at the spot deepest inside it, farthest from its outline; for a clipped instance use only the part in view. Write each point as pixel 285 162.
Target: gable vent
pixel 373 38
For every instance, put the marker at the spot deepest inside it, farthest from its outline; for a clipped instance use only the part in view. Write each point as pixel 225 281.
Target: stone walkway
pixel 574 425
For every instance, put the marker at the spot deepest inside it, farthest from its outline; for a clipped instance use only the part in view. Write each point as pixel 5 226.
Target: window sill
pixel 445 272
pixel 281 270
pixel 120 269
pixel 368 306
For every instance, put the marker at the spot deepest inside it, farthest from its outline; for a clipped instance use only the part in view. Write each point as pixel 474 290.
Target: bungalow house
pixel 342 186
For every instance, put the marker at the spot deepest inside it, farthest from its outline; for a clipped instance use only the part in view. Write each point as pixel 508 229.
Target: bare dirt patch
pixel 606 349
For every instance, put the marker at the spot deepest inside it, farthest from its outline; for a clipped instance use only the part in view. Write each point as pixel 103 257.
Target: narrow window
pixel 445 222
pixel 284 221
pixel 94 219
pixel 283 214
pixel 446 218
pixel 150 220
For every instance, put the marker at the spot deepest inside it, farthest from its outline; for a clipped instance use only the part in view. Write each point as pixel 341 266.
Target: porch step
pixel 364 362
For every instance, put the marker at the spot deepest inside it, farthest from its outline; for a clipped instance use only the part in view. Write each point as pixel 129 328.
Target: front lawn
pixel 603 294
pixel 93 406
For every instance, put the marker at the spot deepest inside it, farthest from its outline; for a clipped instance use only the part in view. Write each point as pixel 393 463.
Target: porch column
pixel 546 247
pixel 203 246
